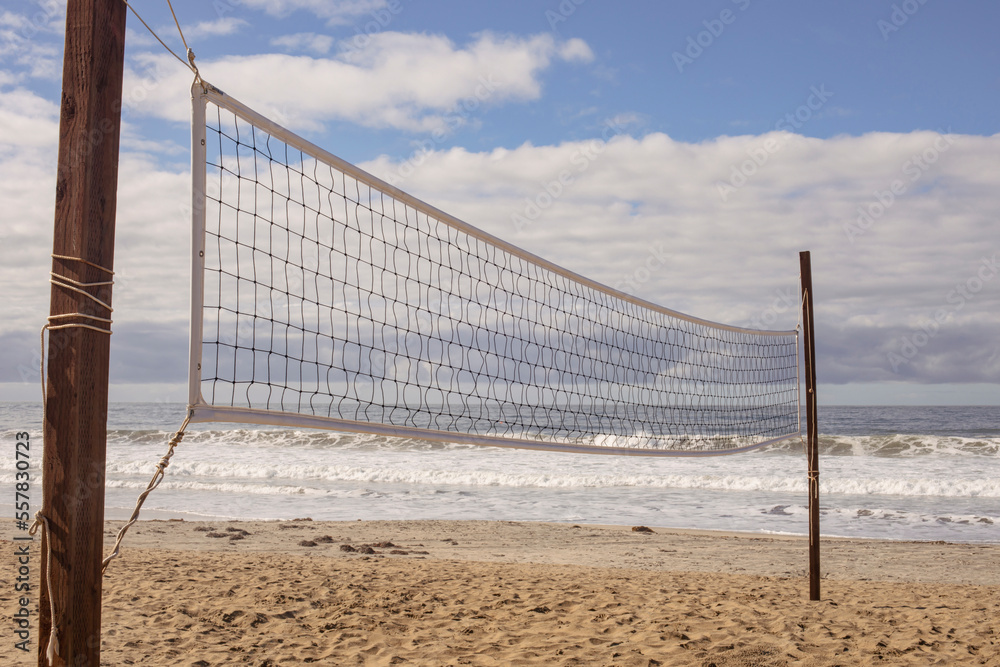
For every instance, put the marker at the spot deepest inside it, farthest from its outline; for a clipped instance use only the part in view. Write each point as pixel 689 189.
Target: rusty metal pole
pixel 812 428
pixel 76 401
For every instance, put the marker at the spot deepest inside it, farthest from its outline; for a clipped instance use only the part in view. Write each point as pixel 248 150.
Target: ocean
pixel 904 473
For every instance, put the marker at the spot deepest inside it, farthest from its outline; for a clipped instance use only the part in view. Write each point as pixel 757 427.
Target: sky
pixel 684 152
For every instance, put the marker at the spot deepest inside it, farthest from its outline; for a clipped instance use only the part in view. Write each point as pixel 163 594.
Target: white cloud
pixel 139 38
pixel 415 82
pixel 28 41
pixel 152 232
pixel 40 16
pixel 10 20
pixel 34 57
pixel 604 210
pixel 223 26
pixel 27 119
pixel 305 42
pixel 644 213
pixel 576 50
pixel 27 190
pixel 335 13
pixel 133 141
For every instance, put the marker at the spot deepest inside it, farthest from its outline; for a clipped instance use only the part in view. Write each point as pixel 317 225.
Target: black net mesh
pixel 328 297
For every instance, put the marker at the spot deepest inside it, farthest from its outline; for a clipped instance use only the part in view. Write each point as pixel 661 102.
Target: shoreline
pixel 120 514
pixel 593 545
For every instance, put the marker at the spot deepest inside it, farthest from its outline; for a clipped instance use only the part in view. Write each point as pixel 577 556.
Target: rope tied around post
pixel 53 324
pixel 41 520
pixel 80 287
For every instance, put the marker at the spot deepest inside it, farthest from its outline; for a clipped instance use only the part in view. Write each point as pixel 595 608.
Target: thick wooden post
pixel 76 398
pixel 812 428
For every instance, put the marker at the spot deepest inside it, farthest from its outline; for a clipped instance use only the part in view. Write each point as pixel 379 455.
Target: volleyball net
pixel 323 297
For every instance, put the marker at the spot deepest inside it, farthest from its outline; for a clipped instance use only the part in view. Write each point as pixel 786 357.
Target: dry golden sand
pixel 501 593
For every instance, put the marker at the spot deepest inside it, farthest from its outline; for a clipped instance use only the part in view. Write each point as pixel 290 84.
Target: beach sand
pixel 504 593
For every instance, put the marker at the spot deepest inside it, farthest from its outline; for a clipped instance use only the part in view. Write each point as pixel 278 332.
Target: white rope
pixel 153 483
pixel 41 520
pixel 800 329
pixel 798 374
pixel 178 24
pixel 190 54
pixel 84 261
pixel 52 649
pixel 813 473
pixel 77 325
pixel 75 285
